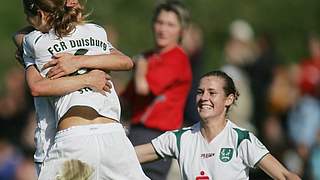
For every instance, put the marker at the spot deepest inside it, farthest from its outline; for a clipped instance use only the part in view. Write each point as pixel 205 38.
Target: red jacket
pixel 169 77
pixel 309 78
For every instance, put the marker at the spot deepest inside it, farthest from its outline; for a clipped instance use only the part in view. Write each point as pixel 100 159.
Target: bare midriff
pixel 82 115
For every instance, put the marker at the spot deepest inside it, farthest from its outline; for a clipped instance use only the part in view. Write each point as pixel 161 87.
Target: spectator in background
pixel 310 67
pixel 15 116
pixel 15 105
pixel 10 159
pixel 304 117
pixel 239 52
pixel 192 43
pixel 261 73
pixel 161 83
pixel 281 96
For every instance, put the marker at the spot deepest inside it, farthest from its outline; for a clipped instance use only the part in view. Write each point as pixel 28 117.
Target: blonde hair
pixel 75 170
pixel 176 7
pixel 62 18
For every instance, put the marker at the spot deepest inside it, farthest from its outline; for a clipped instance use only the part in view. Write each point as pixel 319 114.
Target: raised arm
pixel 146 153
pixel 40 86
pixel 275 169
pixel 140 79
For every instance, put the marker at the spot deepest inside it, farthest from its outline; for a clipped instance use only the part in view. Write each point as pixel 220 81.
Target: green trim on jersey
pixel 37 39
pixel 242 135
pixel 255 165
pixel 178 134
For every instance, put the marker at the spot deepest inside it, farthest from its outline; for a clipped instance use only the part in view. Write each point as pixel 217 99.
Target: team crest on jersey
pixel 226 154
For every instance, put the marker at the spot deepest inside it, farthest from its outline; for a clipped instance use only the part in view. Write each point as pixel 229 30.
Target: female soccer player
pixel 87 121
pixel 214 148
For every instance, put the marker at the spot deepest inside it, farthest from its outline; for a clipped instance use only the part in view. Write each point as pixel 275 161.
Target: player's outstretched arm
pixel 40 86
pixel 64 63
pixel 146 153
pixel 275 169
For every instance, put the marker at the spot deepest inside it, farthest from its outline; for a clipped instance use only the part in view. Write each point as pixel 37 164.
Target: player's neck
pixel 210 129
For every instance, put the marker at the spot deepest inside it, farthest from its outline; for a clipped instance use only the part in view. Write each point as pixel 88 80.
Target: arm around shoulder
pixel 275 169
pixel 115 61
pixel 65 63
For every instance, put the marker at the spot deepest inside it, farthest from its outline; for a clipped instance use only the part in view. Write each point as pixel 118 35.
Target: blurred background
pixel 271 48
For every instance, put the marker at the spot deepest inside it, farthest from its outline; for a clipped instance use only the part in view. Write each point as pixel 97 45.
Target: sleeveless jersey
pixel 228 156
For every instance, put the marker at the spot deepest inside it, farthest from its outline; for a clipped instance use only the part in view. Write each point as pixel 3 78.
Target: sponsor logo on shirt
pixel 206 155
pixel 226 154
pixel 202 176
pixel 77 43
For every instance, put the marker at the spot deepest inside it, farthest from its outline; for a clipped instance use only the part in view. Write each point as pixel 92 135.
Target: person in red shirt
pixel 309 78
pixel 161 83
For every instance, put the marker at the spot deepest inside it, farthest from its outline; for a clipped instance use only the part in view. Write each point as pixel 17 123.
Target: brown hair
pixel 63 19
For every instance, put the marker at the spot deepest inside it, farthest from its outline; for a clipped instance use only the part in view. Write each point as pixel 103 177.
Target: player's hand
pixel 18 56
pixel 18 41
pixel 99 81
pixel 62 64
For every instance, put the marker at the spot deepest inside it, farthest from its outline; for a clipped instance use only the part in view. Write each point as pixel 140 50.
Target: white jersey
pixel 88 39
pixel 228 156
pixel 45 130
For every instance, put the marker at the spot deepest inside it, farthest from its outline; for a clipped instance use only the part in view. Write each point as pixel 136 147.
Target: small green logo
pixel 226 154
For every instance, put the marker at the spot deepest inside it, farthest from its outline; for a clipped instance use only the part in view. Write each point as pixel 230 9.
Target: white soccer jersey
pixel 88 39
pixel 46 128
pixel 228 156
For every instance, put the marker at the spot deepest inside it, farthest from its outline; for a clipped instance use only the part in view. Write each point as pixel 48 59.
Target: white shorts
pixel 104 147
